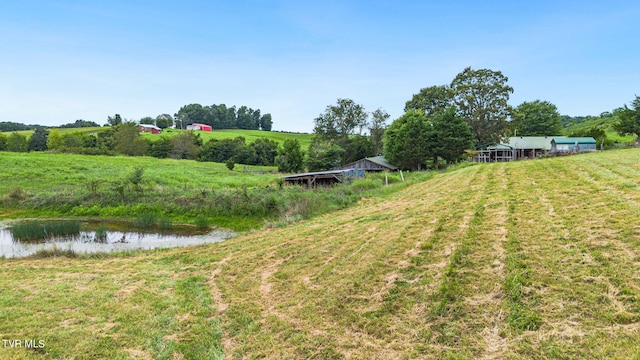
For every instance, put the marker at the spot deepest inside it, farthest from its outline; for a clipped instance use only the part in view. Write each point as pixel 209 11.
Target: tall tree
pixel 184 146
pixel 266 122
pixel 164 121
pixel 192 113
pixel 114 121
pixel 128 140
pixel 629 119
pixel 341 120
pixel 377 126
pixel 148 120
pixel 323 155
pixel 432 100
pixel 451 136
pixel 407 141
pixel 537 118
pixel 291 157
pixel 244 118
pixel 38 140
pixel 481 97
pixel 266 151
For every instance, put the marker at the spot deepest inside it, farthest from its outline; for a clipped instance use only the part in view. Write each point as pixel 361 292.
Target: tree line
pixel 125 139
pixel 8 126
pixel 223 117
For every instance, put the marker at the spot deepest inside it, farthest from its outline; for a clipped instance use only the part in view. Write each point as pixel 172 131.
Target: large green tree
pixel 184 146
pixel 481 98
pixel 38 140
pixel 451 136
pixel 536 118
pixel 266 122
pixel 432 100
pixel 337 131
pixel 629 119
pixel 291 157
pixel 128 140
pixel 323 155
pixel 114 121
pixel 407 141
pixel 377 127
pixel 192 113
pixel 341 120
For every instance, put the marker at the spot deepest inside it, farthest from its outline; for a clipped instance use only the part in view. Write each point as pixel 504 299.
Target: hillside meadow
pixel 46 185
pixel 535 259
pixel 250 135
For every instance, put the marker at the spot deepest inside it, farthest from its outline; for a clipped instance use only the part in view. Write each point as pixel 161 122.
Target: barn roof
pixel 573 140
pixel 317 173
pixel 531 142
pixel 149 126
pixel 378 160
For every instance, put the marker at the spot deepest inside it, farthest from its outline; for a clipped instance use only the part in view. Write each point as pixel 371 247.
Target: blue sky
pixel 65 60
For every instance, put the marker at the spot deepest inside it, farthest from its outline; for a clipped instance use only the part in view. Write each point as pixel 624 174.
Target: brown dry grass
pixel 441 269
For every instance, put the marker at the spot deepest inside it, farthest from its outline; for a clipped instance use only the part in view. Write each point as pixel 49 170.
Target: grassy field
pixel 43 172
pixel 183 191
pixel 68 185
pixel 249 135
pixel 535 259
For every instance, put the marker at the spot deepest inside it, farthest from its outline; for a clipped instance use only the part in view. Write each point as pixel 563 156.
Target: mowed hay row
pixel 348 280
pixel 478 263
pixel 533 259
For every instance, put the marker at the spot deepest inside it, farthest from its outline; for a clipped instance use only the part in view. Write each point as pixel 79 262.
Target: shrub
pixel 230 163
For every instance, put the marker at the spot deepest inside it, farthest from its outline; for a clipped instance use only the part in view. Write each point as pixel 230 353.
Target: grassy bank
pixel 65 185
pixel 535 259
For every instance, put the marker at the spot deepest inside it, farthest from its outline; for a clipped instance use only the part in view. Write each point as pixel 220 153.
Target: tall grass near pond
pixel 39 230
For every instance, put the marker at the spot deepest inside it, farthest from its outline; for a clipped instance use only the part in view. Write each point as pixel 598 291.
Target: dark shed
pixel 313 179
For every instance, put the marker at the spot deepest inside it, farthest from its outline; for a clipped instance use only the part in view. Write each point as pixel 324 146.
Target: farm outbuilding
pixel 199 127
pixel 493 152
pixel 149 128
pixel 530 147
pixel 516 148
pixel 331 177
pixel 370 164
pixel 573 145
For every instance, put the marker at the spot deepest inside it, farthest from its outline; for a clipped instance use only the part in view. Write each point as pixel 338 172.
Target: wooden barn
pixel 324 178
pixel 370 164
pixel 573 145
pixel 149 128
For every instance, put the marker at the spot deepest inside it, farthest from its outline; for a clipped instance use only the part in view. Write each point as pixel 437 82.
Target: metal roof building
pixel 573 145
pixel 331 177
pixel 376 163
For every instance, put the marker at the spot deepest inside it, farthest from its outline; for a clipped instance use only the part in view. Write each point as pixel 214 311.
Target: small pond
pixel 100 237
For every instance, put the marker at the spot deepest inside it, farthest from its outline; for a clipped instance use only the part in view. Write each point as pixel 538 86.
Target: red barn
pixel 201 127
pixel 149 128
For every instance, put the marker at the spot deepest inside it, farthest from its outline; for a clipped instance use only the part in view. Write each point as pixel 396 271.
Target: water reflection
pixel 109 237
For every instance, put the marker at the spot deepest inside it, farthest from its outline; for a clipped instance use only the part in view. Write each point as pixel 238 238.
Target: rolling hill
pixel 534 259
pixel 249 135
